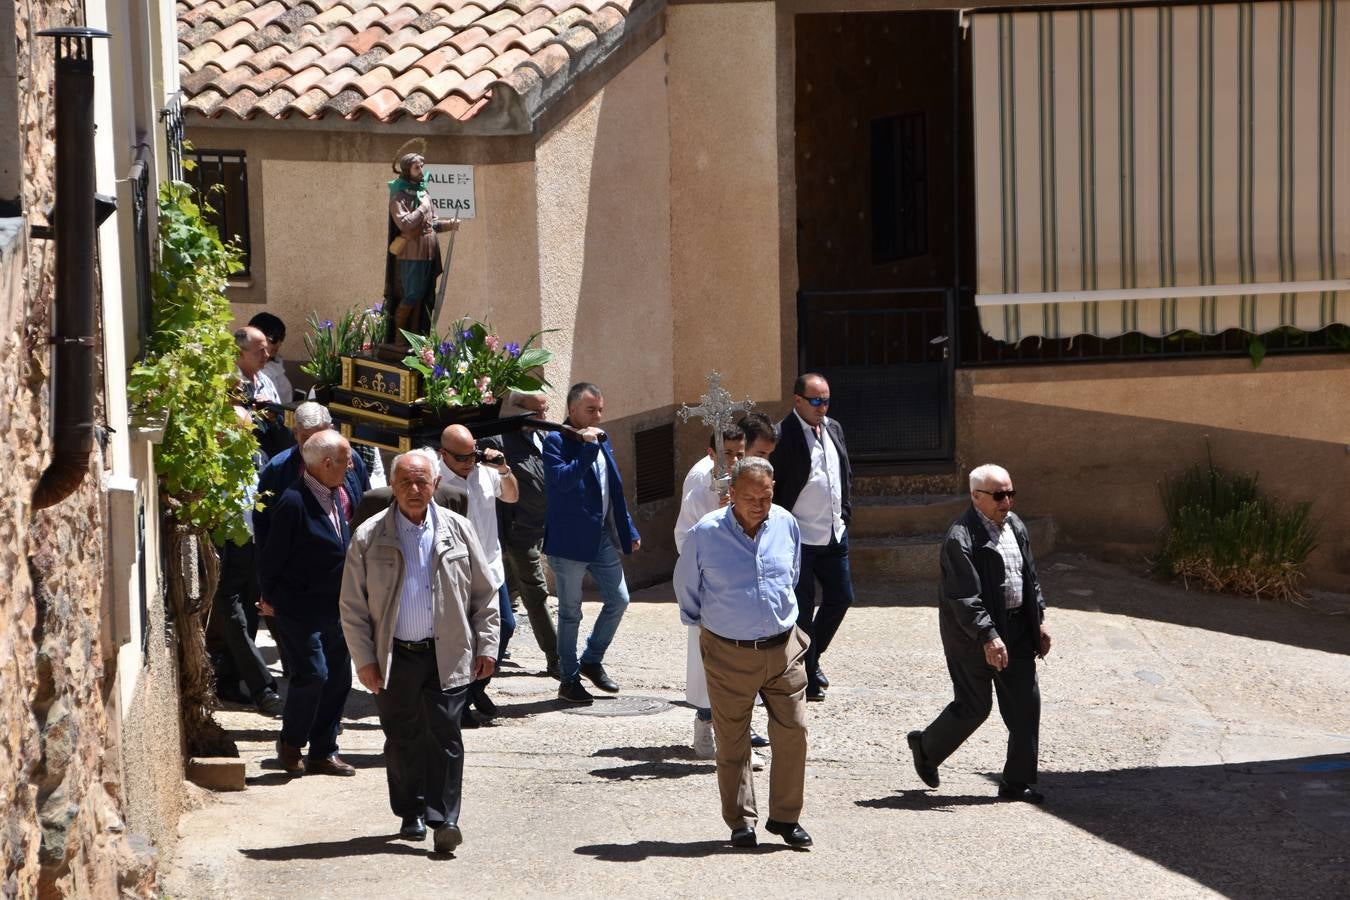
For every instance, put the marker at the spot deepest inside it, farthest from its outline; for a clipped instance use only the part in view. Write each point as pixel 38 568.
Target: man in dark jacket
pixel 300 570
pixel 813 482
pixel 990 610
pixel 522 533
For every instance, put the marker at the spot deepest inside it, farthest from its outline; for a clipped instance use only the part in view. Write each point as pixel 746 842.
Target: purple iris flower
pixel 326 323
pixel 438 372
pixel 378 307
pixel 466 334
pixel 445 348
pixel 513 349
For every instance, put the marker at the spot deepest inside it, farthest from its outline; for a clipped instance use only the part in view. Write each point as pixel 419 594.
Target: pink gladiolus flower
pixel 493 343
pixel 488 398
pixel 427 356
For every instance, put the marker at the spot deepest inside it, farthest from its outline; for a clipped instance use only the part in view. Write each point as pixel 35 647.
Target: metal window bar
pixel 229 170
pixel 139 179
pixel 172 117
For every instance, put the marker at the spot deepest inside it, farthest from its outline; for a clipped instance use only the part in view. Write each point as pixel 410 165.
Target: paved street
pixel 1191 745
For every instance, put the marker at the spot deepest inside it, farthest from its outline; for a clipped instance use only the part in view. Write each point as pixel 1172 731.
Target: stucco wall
pixel 725 183
pixel 1090 445
pixel 603 189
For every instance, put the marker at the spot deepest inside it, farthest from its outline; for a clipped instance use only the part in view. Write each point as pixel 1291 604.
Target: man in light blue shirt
pixel 735 580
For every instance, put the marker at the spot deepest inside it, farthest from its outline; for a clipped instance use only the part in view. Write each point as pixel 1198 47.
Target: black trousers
pixel 231 633
pixel 1019 702
pixel 423 749
pixel 525 576
pixel 828 564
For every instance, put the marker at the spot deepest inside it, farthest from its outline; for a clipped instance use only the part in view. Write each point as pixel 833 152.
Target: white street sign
pixel 451 190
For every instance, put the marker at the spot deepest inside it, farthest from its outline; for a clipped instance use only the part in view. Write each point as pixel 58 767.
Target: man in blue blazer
pixel 284 469
pixel 300 571
pixel 586 527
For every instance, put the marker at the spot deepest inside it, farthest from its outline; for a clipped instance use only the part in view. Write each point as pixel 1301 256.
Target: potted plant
pixel 355 331
pixel 468 371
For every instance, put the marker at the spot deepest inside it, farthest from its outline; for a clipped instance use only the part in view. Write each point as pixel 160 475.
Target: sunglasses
pixel 999 496
pixel 461 457
pixel 816 401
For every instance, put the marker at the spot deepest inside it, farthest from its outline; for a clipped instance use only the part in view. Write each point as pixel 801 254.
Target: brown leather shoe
pixel 292 762
pixel 333 765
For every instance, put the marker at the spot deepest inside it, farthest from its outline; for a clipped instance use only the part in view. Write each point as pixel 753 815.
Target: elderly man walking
pixel 300 572
pixel 735 579
pixel 419 610
pixel 990 610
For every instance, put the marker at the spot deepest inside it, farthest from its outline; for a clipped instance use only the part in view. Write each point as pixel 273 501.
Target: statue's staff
pixel 718 412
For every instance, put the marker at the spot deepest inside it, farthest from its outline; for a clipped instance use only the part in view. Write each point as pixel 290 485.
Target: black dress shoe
pixel 469 719
pixel 573 692
pixel 814 692
pixel 414 828
pixel 791 833
pixel 821 679
pixel 744 837
pixel 596 673
pixel 927 774
pixel 758 740
pixel 552 671
pixel 485 705
pixel 1025 793
pixel 447 837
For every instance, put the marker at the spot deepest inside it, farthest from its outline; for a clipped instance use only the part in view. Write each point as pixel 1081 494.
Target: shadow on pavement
pixel 533 708
pixel 642 850
pixel 1247 830
pixel 366 845
pixel 925 801
pixel 670 761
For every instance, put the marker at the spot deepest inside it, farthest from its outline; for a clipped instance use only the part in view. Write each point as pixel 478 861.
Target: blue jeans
pixel 607 570
pixel 828 564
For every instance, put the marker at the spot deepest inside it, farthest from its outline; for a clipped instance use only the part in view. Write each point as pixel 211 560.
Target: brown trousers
pixel 778 674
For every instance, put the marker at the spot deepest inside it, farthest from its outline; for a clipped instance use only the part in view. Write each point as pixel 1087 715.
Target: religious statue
pixel 410 286
pixel 718 412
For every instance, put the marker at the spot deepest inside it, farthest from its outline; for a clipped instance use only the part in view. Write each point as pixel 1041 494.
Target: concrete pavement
pixel 1191 745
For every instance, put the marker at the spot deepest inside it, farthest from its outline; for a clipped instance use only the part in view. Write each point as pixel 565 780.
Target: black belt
pixel 759 643
pixel 416 646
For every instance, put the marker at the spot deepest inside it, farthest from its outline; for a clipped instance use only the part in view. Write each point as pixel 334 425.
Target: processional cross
pixel 718 412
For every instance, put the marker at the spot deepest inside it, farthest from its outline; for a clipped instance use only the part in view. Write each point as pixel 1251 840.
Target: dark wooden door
pixel 882 236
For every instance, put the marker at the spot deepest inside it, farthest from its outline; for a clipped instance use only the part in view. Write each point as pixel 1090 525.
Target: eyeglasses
pixel 999 496
pixel 816 401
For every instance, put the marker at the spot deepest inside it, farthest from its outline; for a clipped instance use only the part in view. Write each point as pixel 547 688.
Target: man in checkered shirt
pixel 990 613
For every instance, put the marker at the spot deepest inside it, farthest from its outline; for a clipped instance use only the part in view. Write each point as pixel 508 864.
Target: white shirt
pixel 260 388
pixel 601 468
pixel 275 369
pixel 699 499
pixel 416 615
pixel 483 487
pixel 819 509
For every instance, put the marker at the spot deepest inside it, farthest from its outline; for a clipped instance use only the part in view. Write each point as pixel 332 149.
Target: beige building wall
pixel 725 274
pixel 604 211
pixel 1090 445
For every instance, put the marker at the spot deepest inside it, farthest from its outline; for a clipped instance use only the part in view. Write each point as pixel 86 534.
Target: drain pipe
pixel 72 397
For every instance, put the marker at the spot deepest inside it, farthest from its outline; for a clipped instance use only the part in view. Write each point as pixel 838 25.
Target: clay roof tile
pixel 498 20
pixel 550 59
pixel 299 59
pixel 382 104
pixel 196 59
pixel 240 104
pixel 205 102
pixel 264 81
pixel 335 59
pixel 417 105
pixel 564 20
pixel 265 13
pixel 275 103
pixel 233 57
pixel 508 61
pixel 374 81
pixel 436 61
pixel 477 86
pixel 344 104
pixel 467 40
pixel 438 87
pixel 303 80
pixel 464 16
pixel 362 42
pixel 369 60
pixel 436 37
pixel 308 103
pixel 194 37
pixel 534 40
pixel 503 39
pixel 472 61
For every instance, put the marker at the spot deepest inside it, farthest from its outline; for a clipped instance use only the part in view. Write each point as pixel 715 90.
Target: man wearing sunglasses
pixel 814 481
pixel 990 610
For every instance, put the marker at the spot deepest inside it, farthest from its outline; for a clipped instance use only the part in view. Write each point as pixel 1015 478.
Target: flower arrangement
pixel 471 366
pixel 354 332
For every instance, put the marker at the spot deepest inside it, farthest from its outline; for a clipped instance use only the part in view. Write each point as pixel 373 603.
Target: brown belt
pixel 759 643
pixel 416 646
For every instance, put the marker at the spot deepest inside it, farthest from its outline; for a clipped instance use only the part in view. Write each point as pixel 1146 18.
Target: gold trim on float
pixel 365 414
pixel 346 372
pixel 406 379
pixel 403 446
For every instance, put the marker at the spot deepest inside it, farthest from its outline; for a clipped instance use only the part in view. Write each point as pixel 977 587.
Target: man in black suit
pixel 813 481
pixel 990 610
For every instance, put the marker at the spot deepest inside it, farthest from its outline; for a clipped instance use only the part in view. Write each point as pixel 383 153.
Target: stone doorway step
pixel 899 537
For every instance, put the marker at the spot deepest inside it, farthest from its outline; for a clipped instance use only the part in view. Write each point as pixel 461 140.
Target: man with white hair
pixel 300 571
pixel 990 610
pixel 419 609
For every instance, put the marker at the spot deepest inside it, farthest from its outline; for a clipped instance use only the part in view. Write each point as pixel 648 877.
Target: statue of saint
pixel 415 252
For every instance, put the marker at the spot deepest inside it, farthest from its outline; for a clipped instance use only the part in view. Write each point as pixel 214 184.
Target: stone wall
pixel 61 829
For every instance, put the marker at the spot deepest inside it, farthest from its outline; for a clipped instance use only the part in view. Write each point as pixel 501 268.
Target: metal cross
pixel 718 412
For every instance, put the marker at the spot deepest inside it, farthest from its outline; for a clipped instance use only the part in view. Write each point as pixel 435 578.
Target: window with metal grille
pixel 899 188
pixel 654 450
pixel 221 179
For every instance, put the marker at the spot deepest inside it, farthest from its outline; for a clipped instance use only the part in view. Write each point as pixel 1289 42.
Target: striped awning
pixel 1162 169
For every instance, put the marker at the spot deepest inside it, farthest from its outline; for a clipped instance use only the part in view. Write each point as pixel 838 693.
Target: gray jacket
pixel 467 620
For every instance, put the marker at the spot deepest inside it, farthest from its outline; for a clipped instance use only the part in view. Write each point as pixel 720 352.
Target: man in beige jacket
pixel 420 615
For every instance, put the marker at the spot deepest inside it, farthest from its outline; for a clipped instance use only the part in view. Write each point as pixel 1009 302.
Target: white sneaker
pixel 705 745
pixel 756 761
